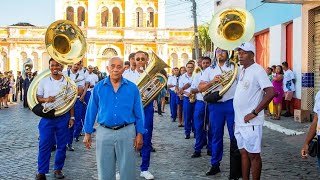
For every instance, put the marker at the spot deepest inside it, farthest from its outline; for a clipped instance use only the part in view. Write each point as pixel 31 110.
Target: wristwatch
pixel 254 112
pixel 72 118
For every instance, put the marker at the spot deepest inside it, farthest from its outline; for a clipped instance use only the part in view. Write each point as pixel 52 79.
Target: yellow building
pixel 112 28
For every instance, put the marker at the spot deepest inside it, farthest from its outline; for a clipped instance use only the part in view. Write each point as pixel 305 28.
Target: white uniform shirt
pixel 126 71
pixel 183 80
pixel 172 80
pixel 92 79
pixel 210 73
pixel 84 72
pixel 50 87
pixel 132 76
pixel 79 79
pixel 249 93
pixel 288 84
pixel 195 83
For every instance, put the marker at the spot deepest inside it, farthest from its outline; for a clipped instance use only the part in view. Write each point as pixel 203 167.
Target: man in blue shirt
pixel 116 103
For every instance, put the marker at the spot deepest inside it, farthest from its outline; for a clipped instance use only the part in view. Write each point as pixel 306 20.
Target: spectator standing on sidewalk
pixel 288 88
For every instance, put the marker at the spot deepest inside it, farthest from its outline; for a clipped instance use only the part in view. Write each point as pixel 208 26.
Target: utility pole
pixel 196 38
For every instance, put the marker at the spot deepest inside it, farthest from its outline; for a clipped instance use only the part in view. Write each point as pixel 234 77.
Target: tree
pixel 204 38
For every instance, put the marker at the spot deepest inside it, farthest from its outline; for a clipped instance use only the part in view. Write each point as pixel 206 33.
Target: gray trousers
pixel 116 146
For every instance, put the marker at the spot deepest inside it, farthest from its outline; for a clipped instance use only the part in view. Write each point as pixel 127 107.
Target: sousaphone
pixel 66 44
pixel 228 29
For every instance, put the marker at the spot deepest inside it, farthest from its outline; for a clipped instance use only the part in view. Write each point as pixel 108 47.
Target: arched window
pixel 107 54
pixel 185 58
pixel 104 16
pixel 139 17
pixel 116 17
pixel 3 61
pixel 70 13
pixel 150 17
pixel 45 60
pixel 81 16
pixel 174 60
pixel 35 59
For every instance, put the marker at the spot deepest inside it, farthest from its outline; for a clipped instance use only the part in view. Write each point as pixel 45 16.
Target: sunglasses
pixel 140 59
pixel 220 51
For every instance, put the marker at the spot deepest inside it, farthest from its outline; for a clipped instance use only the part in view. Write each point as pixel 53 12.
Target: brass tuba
pixel 151 82
pixel 228 29
pixel 66 44
pixel 193 97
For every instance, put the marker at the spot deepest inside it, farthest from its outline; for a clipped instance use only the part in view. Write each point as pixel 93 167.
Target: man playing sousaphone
pixel 141 59
pixel 52 130
pixel 220 108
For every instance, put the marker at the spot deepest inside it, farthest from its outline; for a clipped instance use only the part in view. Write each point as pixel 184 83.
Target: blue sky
pixel 41 12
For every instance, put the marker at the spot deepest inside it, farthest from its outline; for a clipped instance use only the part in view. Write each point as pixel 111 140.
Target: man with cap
pixel 220 108
pixel 253 93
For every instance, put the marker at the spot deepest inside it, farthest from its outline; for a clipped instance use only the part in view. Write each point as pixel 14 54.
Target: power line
pixel 175 4
pixel 257 7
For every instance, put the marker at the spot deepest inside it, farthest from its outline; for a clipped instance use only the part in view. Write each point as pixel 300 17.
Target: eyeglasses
pixel 140 59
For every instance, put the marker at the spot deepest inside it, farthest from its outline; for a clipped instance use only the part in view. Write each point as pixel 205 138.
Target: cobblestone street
pixel 280 152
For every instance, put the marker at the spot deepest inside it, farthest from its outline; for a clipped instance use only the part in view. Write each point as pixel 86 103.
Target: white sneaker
pixel 146 175
pixel 117 176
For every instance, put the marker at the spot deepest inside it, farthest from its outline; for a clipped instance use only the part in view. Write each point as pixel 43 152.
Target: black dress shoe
pixel 187 137
pixel 69 147
pixel 180 125
pixel 41 177
pixel 196 155
pixel 209 153
pixel 153 149
pixel 58 174
pixel 76 139
pixel 213 171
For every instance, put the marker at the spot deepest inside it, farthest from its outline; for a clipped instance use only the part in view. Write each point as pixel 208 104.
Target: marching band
pixel 202 101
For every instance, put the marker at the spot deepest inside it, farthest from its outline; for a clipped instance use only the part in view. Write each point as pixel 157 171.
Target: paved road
pixel 19 146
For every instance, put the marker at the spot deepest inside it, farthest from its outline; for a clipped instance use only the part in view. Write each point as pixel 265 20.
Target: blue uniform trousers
pixel 208 131
pixel 51 130
pixel 220 113
pixel 199 121
pixel 147 136
pixel 75 131
pixel 188 111
pixel 87 97
pixel 173 105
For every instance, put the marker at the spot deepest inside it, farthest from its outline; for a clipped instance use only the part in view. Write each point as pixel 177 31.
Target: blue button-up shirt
pixel 115 108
